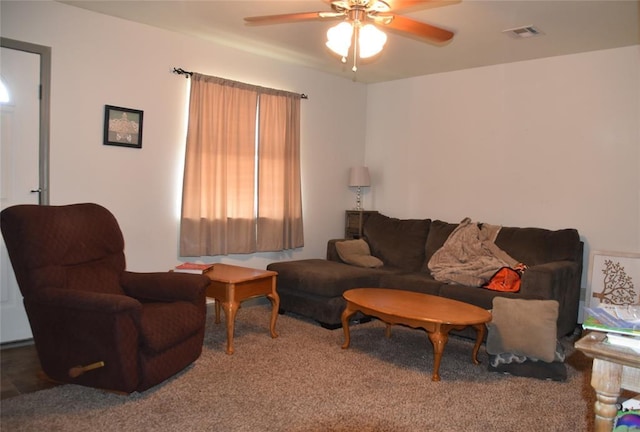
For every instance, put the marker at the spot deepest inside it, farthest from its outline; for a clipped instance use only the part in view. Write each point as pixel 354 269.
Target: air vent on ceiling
pixel 523 32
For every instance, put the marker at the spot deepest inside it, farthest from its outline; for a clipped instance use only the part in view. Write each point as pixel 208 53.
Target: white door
pixel 19 170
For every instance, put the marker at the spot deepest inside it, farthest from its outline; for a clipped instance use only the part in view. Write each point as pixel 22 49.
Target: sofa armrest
pixel 552 280
pixel 332 252
pixel 560 281
pixel 165 286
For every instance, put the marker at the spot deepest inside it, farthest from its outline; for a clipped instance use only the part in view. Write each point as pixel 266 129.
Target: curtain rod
pixel 188 74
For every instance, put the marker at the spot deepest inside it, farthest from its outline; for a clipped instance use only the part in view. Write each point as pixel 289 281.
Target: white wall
pixel 550 143
pixel 98 60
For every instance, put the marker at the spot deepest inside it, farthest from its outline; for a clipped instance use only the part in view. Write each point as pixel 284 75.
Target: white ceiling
pixel 569 27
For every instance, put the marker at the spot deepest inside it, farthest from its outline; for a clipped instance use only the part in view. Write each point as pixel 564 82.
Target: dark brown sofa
pixel 313 287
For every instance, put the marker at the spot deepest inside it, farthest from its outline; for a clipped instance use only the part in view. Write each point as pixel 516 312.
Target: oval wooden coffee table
pixel 436 315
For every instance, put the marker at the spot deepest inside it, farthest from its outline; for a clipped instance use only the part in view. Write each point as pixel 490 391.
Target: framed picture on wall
pixel 613 278
pixel 122 126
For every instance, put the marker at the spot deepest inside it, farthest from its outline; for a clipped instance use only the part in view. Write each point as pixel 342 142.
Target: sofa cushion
pixel 523 327
pixel 357 252
pixel 517 365
pixel 531 246
pixel 480 297
pixel 417 281
pixel 439 232
pixel 510 358
pixel 397 242
pixel 555 371
pixel 323 278
pixel 534 246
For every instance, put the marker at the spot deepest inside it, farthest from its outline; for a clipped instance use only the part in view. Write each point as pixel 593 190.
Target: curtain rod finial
pixel 181 71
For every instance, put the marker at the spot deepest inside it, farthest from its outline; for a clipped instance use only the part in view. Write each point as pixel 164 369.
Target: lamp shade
pixel 371 41
pixel 339 38
pixel 359 176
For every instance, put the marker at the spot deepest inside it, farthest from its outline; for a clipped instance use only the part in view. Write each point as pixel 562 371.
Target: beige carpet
pixel 303 381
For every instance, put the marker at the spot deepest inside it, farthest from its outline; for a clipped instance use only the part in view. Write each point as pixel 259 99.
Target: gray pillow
pixel 357 252
pixel 523 327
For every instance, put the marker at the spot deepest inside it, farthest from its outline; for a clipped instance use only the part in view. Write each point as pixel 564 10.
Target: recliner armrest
pixel 85 300
pixel 76 328
pixel 165 286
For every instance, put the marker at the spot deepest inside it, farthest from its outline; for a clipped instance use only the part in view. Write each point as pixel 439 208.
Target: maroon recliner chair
pixel 94 323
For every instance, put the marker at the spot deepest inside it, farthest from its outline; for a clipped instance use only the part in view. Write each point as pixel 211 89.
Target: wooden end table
pixel 230 285
pixel 436 315
pixel 614 368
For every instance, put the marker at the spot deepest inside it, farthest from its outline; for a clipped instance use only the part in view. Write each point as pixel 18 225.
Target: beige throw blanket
pixel 469 256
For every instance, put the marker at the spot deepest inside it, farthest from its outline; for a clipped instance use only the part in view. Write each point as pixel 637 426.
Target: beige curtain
pixel 220 212
pixel 279 197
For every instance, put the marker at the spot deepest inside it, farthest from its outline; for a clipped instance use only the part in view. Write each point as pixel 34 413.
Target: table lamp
pixel 359 178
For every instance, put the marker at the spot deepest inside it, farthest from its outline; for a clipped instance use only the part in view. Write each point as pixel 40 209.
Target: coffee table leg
pixel 438 340
pixel 481 329
pixel 274 298
pixel 346 314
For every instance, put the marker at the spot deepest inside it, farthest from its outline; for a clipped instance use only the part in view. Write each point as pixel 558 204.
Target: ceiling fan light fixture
pixel 339 38
pixel 355 37
pixel 371 41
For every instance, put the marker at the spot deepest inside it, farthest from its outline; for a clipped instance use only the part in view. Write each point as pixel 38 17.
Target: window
pixel 241 190
pixel 4 92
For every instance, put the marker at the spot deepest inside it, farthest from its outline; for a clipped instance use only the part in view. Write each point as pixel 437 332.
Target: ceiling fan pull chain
pixel 354 44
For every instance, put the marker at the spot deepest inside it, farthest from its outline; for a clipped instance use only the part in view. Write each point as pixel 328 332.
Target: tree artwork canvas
pixel 614 279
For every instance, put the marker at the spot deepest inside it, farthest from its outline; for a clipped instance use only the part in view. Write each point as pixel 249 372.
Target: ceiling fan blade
pixel 292 17
pixel 415 28
pixel 396 5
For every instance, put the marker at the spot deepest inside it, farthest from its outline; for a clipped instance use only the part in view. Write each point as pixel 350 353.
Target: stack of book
pixel 191 267
pixel 621 323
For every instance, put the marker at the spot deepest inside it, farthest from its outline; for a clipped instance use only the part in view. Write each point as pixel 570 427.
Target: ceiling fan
pixel 361 24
